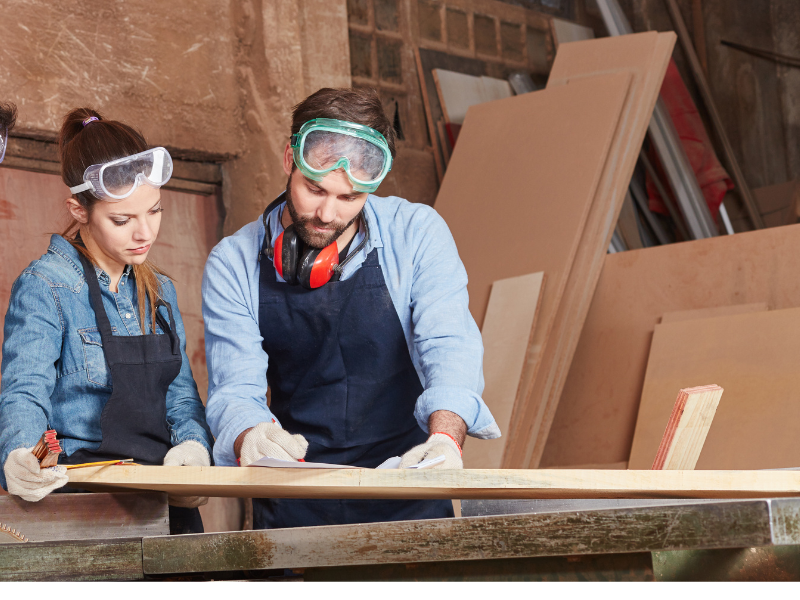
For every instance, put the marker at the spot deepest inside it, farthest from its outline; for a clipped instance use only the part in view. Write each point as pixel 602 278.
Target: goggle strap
pixel 81 188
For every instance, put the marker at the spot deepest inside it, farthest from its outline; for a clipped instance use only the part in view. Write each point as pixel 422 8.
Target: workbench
pixel 493 540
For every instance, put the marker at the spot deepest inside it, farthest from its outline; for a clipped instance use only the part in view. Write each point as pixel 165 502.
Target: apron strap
pixel 96 299
pixel 170 328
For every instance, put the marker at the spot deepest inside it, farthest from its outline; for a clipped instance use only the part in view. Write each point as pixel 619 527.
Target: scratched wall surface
pixel 166 67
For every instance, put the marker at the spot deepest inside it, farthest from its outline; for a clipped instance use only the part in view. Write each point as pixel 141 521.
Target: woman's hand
pixel 188 454
pixel 26 479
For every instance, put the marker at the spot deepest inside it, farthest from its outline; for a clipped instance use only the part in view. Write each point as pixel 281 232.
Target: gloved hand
pixel 192 454
pixel 27 480
pixel 437 444
pixel 270 439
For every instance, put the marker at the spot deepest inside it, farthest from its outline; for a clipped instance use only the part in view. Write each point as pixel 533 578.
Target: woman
pixel 94 343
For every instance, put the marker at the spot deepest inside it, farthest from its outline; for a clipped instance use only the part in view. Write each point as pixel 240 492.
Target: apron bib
pixel 341 375
pixel 142 367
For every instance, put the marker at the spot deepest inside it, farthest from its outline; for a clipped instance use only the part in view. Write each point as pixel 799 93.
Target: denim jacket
pixel 54 372
pixel 428 286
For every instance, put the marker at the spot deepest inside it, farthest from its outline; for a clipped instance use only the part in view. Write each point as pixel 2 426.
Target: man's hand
pixel 27 480
pixel 269 439
pixel 448 431
pixel 188 454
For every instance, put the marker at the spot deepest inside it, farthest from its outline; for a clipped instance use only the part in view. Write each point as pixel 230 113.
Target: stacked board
pixel 753 356
pixel 597 413
pixel 644 57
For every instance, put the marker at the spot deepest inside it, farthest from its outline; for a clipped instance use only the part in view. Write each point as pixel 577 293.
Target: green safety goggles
pixel 324 145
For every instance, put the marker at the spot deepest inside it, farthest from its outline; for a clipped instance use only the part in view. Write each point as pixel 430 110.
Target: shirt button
pixel 127 315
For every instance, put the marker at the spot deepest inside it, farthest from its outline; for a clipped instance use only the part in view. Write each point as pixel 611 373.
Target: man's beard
pixel 311 237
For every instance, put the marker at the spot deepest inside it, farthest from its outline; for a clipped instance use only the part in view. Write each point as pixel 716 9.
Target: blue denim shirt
pixel 54 372
pixel 428 285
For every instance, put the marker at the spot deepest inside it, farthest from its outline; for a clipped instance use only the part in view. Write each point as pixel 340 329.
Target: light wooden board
pixel 457 92
pixel 687 428
pixel 644 56
pixel 597 412
pixel 566 31
pixel 86 516
pixel 507 329
pixel 753 357
pixel 257 482
pixel 715 311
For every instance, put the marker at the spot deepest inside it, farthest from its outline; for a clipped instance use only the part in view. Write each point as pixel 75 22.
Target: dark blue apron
pixel 340 374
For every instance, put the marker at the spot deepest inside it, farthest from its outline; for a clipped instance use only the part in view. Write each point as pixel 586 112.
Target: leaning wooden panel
pixel 86 516
pixel 754 357
pixel 717 525
pixel 257 482
pixel 717 311
pixel 507 329
pixel 645 57
pixel 596 414
pixel 687 428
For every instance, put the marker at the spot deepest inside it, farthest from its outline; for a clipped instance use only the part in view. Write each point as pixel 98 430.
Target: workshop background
pixel 215 82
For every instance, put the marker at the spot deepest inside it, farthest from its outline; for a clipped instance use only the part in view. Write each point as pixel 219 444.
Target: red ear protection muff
pixel 298 265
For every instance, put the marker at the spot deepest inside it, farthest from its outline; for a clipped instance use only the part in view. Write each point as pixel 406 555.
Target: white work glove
pixel 270 439
pixel 188 454
pixel 438 444
pixel 27 480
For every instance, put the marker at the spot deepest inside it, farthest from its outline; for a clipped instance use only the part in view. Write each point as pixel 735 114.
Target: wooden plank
pixel 646 57
pixel 742 187
pixel 429 118
pixel 597 412
pixel 753 357
pixel 260 482
pixel 86 516
pixel 715 311
pixel 458 91
pixel 628 226
pixel 687 428
pixel 507 329
pixel 717 525
pixel 96 560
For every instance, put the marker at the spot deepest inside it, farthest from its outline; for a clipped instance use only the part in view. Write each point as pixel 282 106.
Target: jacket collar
pixel 59 245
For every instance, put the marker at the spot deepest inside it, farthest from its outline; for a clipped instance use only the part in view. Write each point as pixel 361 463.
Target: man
pixel 374 357
pixel 8 117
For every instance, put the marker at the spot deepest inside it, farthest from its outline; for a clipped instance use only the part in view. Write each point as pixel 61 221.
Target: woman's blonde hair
pixel 97 142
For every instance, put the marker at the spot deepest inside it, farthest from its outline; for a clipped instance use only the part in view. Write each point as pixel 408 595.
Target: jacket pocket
pixel 94 358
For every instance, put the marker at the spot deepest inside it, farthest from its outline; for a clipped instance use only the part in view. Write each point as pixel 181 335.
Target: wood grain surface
pixel 258 482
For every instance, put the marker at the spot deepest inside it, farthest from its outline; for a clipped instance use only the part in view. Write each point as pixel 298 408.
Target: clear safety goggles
pixel 3 142
pixel 117 179
pixel 324 145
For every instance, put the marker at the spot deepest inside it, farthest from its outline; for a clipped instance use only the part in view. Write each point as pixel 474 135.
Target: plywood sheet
pixel 259 482
pixel 566 31
pixel 458 91
pixel 753 357
pixel 596 416
pixel 645 57
pixel 715 311
pixel 507 329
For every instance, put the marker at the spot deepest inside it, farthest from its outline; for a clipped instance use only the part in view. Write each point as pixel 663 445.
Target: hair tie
pixel 88 120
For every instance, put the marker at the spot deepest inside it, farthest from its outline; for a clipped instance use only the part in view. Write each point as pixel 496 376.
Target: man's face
pixel 321 210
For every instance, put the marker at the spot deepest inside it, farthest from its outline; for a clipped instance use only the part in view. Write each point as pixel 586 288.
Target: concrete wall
pixel 213 77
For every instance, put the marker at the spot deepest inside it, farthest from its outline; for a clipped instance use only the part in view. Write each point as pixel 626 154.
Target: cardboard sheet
pixel 507 329
pixel 753 356
pixel 597 412
pixel 645 56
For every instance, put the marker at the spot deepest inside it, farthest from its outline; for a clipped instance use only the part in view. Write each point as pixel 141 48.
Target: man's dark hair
pixel 8 116
pixel 357 105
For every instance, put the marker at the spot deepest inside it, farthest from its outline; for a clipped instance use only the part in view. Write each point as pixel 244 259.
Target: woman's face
pixel 123 231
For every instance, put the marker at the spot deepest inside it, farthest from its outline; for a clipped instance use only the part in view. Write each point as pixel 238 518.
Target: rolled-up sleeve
pixel 33 337
pixel 446 338
pixel 185 412
pixel 237 364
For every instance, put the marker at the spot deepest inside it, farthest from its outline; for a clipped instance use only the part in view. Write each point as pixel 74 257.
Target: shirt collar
pixel 63 248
